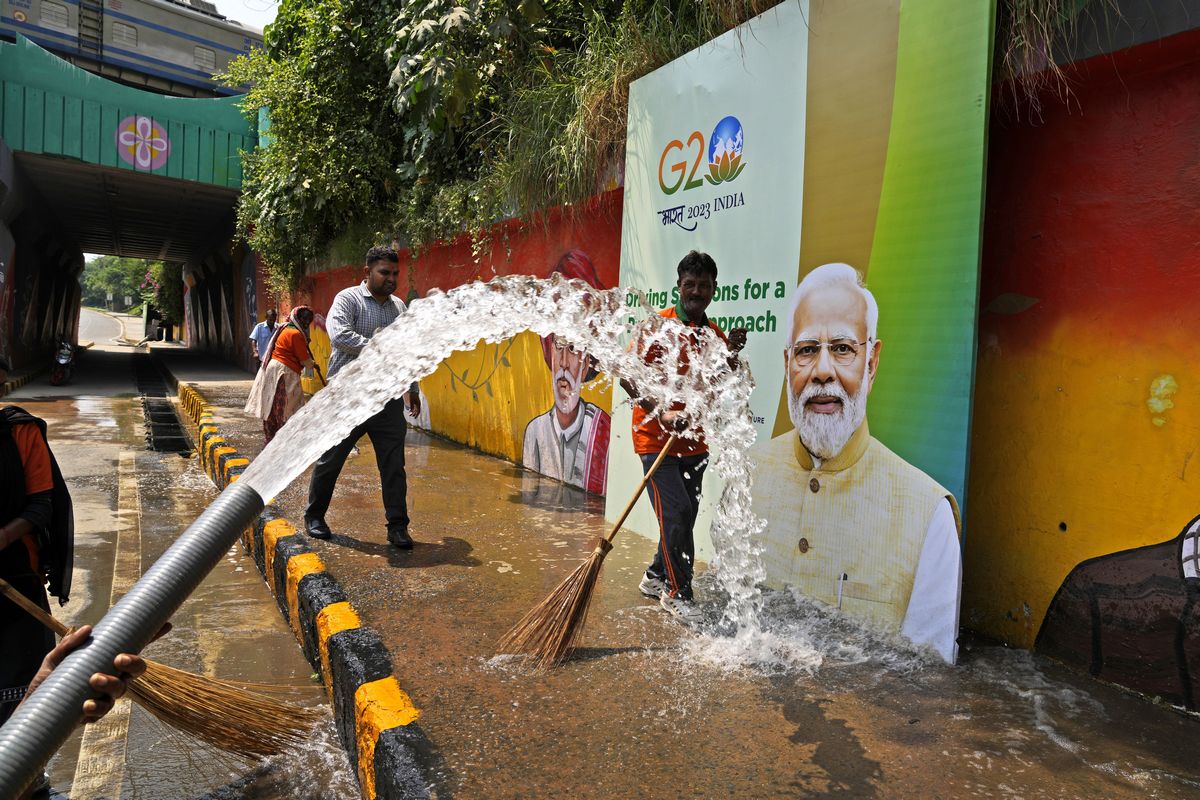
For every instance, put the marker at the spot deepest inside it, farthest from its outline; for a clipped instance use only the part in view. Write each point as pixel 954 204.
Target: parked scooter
pixel 64 364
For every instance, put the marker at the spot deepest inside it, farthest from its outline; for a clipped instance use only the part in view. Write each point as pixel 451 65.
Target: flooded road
pixel 130 504
pixel 650 709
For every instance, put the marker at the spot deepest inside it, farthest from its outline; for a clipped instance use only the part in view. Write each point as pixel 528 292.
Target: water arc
pixel 713 395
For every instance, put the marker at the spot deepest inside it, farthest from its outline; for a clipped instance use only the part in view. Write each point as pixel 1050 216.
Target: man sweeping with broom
pixel 673 468
pixel 675 486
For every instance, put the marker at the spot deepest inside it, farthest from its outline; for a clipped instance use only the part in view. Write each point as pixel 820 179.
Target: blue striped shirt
pixel 352 321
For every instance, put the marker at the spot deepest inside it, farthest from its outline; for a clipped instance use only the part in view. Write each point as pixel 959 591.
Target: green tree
pixel 168 297
pixel 121 277
pixel 331 158
pixel 422 119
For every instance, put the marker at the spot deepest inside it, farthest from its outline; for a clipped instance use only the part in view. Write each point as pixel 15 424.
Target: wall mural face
pixel 533 401
pixel 570 440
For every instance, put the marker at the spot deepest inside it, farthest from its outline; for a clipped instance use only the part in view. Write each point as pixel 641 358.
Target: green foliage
pixel 332 132
pixel 168 297
pixel 1031 37
pixel 122 277
pixel 423 119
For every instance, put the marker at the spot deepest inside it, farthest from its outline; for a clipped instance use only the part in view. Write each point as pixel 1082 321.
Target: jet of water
pixel 715 397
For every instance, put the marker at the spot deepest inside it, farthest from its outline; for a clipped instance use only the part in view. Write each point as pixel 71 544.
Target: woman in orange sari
pixel 276 394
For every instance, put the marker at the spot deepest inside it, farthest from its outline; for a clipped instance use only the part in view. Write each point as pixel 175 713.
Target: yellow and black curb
pixel 12 384
pixel 376 720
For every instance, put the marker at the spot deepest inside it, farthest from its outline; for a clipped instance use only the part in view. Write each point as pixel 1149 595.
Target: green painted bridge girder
pixel 50 107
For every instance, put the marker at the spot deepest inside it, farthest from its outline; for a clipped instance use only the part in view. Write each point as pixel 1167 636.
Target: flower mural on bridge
pixel 142 142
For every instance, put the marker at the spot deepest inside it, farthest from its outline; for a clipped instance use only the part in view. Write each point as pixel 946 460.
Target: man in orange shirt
pixel 35 543
pixel 675 487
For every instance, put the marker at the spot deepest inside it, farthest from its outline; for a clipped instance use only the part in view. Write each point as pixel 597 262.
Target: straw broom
pixel 216 712
pixel 548 632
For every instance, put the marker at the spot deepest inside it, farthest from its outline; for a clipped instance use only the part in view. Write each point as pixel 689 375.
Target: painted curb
pixel 11 385
pixel 376 721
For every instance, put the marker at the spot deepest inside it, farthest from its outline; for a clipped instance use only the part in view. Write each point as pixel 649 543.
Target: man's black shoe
pixel 398 537
pixel 317 529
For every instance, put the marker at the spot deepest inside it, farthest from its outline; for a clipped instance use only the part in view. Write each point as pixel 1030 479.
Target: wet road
pixel 649 709
pixel 130 504
pixel 100 329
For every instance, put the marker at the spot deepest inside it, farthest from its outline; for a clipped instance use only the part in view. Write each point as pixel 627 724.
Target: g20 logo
pixel 724 158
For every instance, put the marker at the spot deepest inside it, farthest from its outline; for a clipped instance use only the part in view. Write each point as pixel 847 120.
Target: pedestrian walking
pixel 36 545
pixel 261 335
pixel 356 314
pixel 276 394
pixel 675 487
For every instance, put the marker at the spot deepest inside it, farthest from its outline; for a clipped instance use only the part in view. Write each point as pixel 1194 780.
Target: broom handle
pixel 38 613
pixel 642 486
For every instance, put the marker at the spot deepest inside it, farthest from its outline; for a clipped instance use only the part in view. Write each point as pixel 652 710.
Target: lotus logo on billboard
pixel 679 164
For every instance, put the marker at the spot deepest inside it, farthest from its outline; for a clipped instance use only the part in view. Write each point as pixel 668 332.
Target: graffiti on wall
pixel 1133 618
pixel 569 441
pixel 8 248
pixel 249 268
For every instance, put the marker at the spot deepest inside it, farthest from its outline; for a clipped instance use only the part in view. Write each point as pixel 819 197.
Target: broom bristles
pixel 221 713
pixel 548 632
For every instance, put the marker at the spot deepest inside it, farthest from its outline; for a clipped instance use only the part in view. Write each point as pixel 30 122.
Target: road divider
pixel 376 720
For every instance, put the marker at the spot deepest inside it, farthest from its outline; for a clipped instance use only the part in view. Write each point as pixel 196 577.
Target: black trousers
pixel 387 430
pixel 24 641
pixel 675 493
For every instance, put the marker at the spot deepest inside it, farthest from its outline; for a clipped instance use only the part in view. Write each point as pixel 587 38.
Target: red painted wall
pixel 1087 392
pixel 517 247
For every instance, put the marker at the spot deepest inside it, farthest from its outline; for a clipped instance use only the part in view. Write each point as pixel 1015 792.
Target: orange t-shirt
pixel 649 436
pixel 35 457
pixel 290 349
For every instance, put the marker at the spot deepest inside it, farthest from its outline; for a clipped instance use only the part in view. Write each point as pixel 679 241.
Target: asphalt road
pixel 99 328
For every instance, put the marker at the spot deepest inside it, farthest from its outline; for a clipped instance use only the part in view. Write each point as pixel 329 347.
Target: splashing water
pixel 714 396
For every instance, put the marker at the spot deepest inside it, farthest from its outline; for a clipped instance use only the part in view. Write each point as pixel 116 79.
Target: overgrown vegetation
pixel 419 120
pixel 424 119
pixel 1031 37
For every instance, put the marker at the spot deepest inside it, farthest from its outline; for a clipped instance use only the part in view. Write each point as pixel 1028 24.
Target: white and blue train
pixel 169 46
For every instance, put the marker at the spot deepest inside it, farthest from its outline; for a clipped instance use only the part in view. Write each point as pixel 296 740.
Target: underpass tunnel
pixel 91 166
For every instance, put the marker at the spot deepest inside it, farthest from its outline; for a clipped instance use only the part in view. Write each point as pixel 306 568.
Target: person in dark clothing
pixel 35 545
pixel 675 487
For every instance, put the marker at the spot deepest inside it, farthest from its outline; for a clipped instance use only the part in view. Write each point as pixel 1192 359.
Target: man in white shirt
pixel 850 522
pixel 261 335
pixel 356 314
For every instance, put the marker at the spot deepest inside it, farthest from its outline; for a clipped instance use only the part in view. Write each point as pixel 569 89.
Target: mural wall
pixel 831 142
pixel 1084 493
pixel 529 400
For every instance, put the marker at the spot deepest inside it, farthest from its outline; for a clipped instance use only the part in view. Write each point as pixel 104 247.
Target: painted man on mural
pixel 850 523
pixel 1133 618
pixel 570 441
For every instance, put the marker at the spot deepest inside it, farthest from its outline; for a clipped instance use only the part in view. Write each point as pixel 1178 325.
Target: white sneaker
pixel 652 586
pixel 682 610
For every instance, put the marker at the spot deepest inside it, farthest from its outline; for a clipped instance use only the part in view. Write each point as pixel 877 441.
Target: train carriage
pixel 169 46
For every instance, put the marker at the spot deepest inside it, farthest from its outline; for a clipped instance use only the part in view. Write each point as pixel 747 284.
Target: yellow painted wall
pixel 485 397
pixel 1095 428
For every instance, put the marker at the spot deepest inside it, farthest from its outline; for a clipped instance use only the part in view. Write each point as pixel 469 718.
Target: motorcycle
pixel 64 362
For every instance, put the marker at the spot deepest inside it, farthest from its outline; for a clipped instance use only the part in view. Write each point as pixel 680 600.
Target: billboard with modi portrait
pixel 829 156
